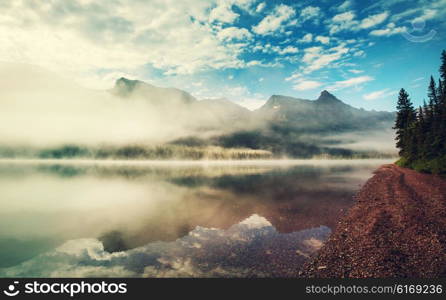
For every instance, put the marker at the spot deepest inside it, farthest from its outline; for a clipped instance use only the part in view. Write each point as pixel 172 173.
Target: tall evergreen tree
pixel 440 91
pixel 443 66
pixel 404 119
pixel 431 122
pixel 416 145
pixel 441 134
pixel 432 93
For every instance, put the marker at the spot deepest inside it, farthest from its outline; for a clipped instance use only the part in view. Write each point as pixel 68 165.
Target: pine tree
pixel 404 119
pixel 432 93
pixel 417 144
pixel 441 133
pixel 431 122
pixel 440 90
pixel 423 130
pixel 443 67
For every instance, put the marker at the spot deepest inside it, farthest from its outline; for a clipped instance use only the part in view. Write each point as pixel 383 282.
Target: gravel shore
pixel 397 228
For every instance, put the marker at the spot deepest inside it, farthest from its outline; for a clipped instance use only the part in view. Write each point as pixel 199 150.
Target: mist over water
pixel 46 115
pixel 94 183
pixel 175 217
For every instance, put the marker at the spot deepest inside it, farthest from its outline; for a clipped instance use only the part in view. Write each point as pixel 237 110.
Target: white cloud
pixel 244 97
pixel 346 21
pixel 323 39
pixel 355 71
pixel 309 12
pixel 317 58
pixel 373 20
pixel 252 103
pixel 237 91
pixel 379 94
pixel 433 10
pixel 78 38
pixel 268 48
pixel 344 6
pixel 391 29
pixel 344 17
pixel 288 50
pixel 398 16
pixel 312 54
pixel 260 7
pixel 231 33
pixel 306 38
pixel 275 20
pixel 223 13
pixel 343 21
pixel 359 53
pixel 355 81
pixel 295 76
pixel 427 14
pixel 306 85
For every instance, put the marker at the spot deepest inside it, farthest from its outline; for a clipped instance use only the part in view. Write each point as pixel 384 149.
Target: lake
pixel 170 219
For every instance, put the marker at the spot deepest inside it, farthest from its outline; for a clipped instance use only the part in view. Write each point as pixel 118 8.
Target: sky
pixel 243 50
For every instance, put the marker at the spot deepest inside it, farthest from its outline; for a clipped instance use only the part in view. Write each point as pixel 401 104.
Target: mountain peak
pixel 326 96
pixel 125 86
pixel 129 84
pixel 123 79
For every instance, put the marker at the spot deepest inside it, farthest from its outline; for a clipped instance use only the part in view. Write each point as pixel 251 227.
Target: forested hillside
pixel 421 132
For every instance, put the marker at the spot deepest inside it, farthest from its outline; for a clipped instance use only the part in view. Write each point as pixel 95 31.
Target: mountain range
pixel 50 114
pixel 327 113
pixel 283 125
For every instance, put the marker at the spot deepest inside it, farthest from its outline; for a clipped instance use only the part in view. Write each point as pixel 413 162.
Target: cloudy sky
pixel 244 50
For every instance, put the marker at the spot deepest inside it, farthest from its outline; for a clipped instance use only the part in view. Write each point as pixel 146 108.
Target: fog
pixel 40 108
pixel 56 196
pixel 124 205
pixel 372 140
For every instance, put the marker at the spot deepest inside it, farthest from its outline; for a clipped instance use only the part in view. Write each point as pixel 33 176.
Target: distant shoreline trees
pixel 421 133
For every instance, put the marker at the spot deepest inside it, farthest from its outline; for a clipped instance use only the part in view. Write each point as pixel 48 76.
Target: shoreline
pixel 396 229
pixel 111 162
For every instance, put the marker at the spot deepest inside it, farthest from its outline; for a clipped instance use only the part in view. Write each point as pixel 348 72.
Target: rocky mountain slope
pixel 327 113
pixel 286 126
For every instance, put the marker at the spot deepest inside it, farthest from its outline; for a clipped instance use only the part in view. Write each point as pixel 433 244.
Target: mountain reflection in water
pixel 252 248
pixel 197 220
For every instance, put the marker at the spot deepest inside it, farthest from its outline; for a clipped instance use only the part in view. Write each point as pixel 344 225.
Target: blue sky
pixel 244 50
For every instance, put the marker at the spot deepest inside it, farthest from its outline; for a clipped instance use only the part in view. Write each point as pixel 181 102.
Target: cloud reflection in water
pixel 251 248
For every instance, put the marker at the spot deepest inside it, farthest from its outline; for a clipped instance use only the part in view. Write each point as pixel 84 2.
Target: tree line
pixel 421 132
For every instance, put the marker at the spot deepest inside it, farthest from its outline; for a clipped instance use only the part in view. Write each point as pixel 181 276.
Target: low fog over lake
pixel 45 115
pixel 200 138
pixel 141 180
pixel 245 218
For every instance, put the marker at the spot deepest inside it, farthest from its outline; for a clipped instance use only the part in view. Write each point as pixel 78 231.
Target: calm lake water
pixel 158 219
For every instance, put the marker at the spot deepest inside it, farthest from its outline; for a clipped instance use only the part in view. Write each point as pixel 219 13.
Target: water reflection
pixel 129 207
pixel 252 248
